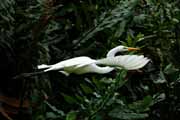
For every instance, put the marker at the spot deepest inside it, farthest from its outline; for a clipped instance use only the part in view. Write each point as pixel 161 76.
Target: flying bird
pixel 83 64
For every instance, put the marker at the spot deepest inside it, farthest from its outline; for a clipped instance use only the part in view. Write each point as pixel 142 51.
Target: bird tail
pixel 43 66
pixel 128 62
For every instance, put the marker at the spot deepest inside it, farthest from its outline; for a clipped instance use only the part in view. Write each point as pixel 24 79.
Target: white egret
pixel 78 65
pixel 81 65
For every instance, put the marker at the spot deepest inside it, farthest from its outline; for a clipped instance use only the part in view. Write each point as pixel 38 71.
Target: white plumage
pixel 78 65
pixel 72 63
pixel 81 65
pixel 128 62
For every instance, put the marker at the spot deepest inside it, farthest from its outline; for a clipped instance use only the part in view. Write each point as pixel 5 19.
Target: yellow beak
pixel 133 49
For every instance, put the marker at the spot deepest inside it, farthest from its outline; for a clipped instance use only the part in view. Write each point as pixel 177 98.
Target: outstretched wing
pixel 76 62
pixel 129 62
pixel 71 63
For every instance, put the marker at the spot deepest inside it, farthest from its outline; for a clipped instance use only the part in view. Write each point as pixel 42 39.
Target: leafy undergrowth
pixel 48 31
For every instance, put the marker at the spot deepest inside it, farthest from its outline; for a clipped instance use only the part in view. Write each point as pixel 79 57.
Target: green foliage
pixel 119 15
pixel 48 31
pixel 127 115
pixel 7 10
pixel 71 116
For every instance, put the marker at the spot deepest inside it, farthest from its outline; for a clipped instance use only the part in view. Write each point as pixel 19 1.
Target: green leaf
pixel 129 41
pixel 141 105
pixel 160 79
pixel 120 29
pixel 97 83
pixel 158 98
pixel 51 115
pixel 126 115
pixel 120 81
pixel 169 69
pixel 60 112
pixel 69 99
pixel 71 115
pixel 86 89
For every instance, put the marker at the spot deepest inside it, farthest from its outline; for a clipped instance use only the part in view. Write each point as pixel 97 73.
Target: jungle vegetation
pixel 33 32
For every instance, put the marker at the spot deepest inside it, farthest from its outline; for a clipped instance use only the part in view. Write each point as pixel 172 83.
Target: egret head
pixel 120 48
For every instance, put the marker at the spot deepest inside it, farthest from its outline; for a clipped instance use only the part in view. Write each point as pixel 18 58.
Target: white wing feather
pixel 129 62
pixel 135 61
pixel 71 63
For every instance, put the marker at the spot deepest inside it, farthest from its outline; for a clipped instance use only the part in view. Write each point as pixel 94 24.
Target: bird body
pixel 83 64
pixel 69 64
pixel 78 65
pixel 92 68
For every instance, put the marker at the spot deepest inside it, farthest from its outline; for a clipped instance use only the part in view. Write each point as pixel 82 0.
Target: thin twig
pixel 5 114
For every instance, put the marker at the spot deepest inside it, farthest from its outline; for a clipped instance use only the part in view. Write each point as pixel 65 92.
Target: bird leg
pixel 25 75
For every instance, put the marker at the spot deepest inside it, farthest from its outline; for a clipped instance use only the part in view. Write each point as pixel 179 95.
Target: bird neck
pixel 113 52
pixel 102 70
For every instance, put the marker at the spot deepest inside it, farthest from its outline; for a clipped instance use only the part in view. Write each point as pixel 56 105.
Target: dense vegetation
pixel 48 31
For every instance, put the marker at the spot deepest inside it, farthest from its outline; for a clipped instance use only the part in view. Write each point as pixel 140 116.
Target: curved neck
pixel 101 70
pixel 113 52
